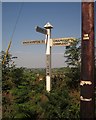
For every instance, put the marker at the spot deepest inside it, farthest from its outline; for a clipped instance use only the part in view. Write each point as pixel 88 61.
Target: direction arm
pixel 32 42
pixel 63 41
pixel 41 30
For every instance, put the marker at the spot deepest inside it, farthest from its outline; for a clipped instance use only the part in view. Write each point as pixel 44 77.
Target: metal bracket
pixel 85 99
pixel 86 37
pixel 85 83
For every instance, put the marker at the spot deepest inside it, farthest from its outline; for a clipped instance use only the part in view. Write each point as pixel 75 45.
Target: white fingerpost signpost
pixel 49 43
pixel 48 27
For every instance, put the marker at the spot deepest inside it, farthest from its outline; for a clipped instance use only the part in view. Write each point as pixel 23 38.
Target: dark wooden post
pixel 87 102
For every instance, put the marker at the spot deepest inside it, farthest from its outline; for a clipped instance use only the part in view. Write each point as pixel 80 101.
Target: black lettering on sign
pixel 48 65
pixel 34 42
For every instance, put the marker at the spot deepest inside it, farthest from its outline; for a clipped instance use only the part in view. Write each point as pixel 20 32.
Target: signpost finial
pixel 48 25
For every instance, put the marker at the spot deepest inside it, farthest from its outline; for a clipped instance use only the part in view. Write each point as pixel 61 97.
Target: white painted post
pixel 48 27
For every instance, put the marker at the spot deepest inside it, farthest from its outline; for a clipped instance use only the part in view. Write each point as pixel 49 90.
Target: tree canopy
pixel 24 94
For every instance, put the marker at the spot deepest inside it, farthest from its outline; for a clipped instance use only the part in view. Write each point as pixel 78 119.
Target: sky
pixel 65 18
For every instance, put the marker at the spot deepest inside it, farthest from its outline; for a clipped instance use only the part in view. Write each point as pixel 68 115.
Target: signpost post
pixel 48 27
pixel 49 43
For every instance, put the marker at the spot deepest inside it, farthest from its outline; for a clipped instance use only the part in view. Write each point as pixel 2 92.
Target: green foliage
pixel 17 76
pixel 73 60
pixel 72 78
pixel 57 104
pixel 24 95
pixel 60 105
pixel 72 54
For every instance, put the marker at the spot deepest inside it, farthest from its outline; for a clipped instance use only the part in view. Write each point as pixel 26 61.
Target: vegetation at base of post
pixel 24 92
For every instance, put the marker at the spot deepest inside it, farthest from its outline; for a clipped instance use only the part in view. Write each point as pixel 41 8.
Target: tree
pixel 24 96
pixel 8 84
pixel 7 67
pixel 73 59
pixel 59 105
pixel 73 54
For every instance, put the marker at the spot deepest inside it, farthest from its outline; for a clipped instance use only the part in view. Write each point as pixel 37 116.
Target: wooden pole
pixel 87 103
